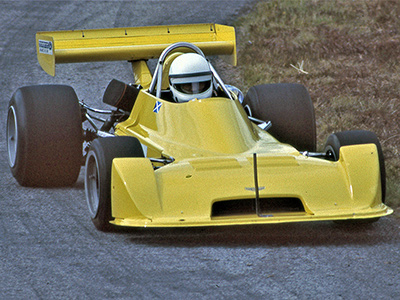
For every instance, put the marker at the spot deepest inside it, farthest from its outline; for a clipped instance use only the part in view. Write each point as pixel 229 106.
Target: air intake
pixel 268 206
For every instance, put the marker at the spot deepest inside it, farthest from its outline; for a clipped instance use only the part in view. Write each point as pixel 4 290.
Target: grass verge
pixel 347 53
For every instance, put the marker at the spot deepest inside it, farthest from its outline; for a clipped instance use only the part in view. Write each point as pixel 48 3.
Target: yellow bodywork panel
pixel 130 44
pixel 213 143
pixel 198 128
pixel 144 201
pixel 184 193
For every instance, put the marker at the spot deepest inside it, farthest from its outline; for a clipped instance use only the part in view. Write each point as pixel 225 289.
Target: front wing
pixel 221 190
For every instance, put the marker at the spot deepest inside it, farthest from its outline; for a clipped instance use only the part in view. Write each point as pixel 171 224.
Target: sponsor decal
pixel 157 107
pixel 46 47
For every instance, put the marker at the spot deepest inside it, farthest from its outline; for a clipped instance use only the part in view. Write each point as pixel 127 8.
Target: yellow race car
pixel 182 148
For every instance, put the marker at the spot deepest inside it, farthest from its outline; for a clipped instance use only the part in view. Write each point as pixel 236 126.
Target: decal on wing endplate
pixel 46 47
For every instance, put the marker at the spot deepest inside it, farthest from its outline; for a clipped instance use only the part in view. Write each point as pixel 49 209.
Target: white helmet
pixel 190 77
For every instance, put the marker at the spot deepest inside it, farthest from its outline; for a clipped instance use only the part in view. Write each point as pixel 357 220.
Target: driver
pixel 190 77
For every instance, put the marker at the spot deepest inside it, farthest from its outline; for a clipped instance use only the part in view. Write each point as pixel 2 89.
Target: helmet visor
pixel 193 87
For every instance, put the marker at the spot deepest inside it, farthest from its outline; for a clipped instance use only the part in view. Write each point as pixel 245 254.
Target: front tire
pixel 44 136
pixel 98 166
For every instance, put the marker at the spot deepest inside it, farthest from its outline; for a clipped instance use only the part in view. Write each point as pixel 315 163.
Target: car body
pixel 205 163
pixel 212 182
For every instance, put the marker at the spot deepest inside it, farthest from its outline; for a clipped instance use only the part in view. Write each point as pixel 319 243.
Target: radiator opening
pixel 247 206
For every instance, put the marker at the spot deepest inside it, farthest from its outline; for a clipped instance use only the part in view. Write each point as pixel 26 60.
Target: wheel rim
pixel 92 184
pixel 12 136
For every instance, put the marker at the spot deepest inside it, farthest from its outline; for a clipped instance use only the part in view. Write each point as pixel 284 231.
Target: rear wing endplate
pixel 131 44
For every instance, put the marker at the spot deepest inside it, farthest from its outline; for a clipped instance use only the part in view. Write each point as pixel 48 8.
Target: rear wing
pixel 131 44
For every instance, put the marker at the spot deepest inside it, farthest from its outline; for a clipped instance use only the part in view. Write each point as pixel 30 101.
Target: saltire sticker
pixel 46 47
pixel 157 107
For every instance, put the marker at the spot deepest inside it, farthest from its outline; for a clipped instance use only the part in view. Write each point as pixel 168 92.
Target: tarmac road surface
pixel 51 250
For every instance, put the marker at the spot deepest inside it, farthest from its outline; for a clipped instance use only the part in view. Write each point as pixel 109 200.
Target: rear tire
pixel 289 108
pixel 44 136
pixel 98 166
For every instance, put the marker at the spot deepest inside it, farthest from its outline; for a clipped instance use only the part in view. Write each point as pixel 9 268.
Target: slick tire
pixel 44 136
pixel 356 137
pixel 289 108
pixel 98 166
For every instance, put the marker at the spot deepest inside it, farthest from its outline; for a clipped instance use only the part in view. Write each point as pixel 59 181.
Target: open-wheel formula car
pixel 166 156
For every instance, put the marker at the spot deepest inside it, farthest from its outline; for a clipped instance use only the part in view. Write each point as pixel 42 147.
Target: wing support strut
pixel 257 189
